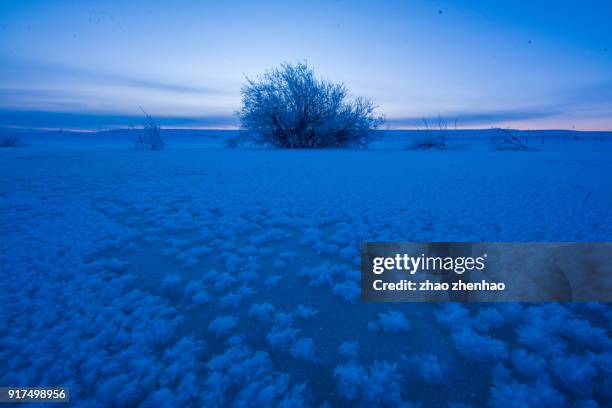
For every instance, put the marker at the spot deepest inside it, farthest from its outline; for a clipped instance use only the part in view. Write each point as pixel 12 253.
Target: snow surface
pixel 216 277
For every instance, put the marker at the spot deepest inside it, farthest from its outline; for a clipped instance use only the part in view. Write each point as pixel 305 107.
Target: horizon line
pixel 230 128
pixel 523 119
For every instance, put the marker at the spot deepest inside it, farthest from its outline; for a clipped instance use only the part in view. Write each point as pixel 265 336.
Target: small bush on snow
pixel 235 340
pixel 347 290
pixel 171 252
pixel 541 338
pixel 289 107
pixel 186 260
pixel 9 141
pixel 279 264
pixel 273 281
pixel 288 256
pixel 303 348
pixel 178 243
pixel 488 318
pixel 223 281
pixel 283 319
pixel 170 285
pixel 453 315
pixel 516 394
pixel 319 276
pixel 310 235
pixel 479 347
pixel 180 359
pixel 458 405
pixel 106 264
pixel 507 392
pixel 513 312
pixel 576 373
pixel 282 334
pixel 323 248
pixel 193 287
pixel 432 370
pixel 350 378
pixel 231 261
pixel 210 276
pixel 527 363
pixel 604 361
pixel 582 332
pixel 390 322
pixel 222 325
pixel 150 238
pixel 542 327
pixel 281 337
pixel 131 247
pixel 378 385
pixel 349 349
pixel 587 404
pixel 233 299
pixel 242 377
pixel 349 253
pixel 159 398
pixel 200 298
pixel 150 137
pixel 305 312
pixel 263 312
pixel 248 275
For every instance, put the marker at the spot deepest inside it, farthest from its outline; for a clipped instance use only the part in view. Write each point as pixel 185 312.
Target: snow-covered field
pixel 215 277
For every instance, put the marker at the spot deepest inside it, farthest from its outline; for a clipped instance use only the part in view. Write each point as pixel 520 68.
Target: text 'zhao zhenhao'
pixel 486 271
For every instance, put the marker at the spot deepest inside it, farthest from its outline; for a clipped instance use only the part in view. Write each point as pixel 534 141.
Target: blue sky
pixel 91 64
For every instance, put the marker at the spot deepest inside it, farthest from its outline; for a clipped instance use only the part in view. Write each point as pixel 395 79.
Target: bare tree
pixel 7 140
pixel 508 141
pixel 232 143
pixel 290 107
pixel 150 138
pixel 436 134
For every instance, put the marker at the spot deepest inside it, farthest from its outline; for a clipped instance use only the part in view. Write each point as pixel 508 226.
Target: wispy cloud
pixel 68 120
pixel 464 119
pixel 55 93
pixel 588 101
pixel 595 93
pixel 60 96
pixel 48 72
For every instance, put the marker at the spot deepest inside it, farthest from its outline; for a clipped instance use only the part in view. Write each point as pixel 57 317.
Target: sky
pixel 94 64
